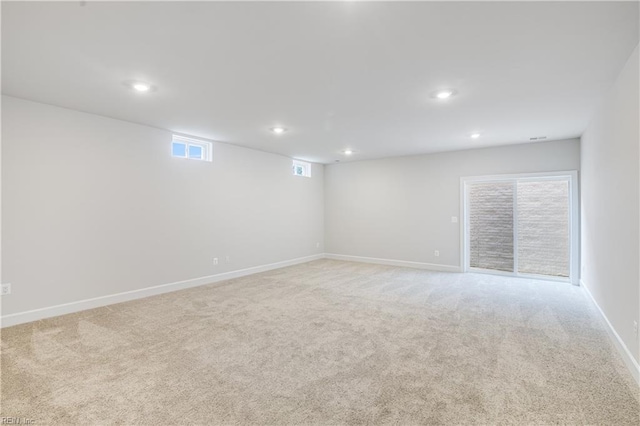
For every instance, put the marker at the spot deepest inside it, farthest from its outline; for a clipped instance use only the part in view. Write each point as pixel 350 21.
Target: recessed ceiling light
pixel 348 152
pixel 475 135
pixel 443 94
pixel 278 130
pixel 140 86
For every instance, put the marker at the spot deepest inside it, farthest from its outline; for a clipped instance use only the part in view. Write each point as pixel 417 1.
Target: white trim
pixel 536 277
pixel 622 349
pixel 96 302
pixel 392 262
pixel 574 216
pixel 464 225
pixel 514 233
pixel 520 176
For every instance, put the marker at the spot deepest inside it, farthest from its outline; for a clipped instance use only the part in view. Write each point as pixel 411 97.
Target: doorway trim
pixel 574 223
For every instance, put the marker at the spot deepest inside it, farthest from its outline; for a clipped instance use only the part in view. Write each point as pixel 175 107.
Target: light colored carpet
pixel 326 342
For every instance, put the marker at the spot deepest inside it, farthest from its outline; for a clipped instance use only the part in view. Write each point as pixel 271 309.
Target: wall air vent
pixel 538 138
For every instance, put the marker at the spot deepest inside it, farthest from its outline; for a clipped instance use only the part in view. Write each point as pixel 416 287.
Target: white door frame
pixel 574 223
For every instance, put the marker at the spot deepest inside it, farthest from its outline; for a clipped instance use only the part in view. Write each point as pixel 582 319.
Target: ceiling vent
pixel 538 138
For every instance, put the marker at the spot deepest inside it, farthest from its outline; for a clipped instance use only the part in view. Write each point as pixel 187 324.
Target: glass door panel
pixel 543 227
pixel 491 225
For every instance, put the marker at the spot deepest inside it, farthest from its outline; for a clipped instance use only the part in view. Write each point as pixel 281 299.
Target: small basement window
pixel 300 168
pixel 192 149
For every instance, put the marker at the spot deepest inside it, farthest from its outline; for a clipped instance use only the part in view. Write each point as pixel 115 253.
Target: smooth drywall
pixel 610 206
pixel 401 208
pixel 94 206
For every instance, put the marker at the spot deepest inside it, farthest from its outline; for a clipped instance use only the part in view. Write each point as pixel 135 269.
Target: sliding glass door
pixel 521 225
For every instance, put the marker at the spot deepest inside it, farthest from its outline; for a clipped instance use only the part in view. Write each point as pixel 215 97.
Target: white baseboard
pixel 96 302
pixel 391 262
pixel 627 357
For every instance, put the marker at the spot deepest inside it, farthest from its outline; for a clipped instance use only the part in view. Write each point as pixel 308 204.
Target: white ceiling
pixel 337 75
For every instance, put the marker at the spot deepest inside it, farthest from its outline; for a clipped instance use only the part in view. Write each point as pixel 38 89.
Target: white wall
pixel 610 205
pixel 401 208
pixel 94 206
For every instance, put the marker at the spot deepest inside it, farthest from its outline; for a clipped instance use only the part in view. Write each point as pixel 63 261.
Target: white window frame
pixel 305 166
pixel 574 223
pixel 207 148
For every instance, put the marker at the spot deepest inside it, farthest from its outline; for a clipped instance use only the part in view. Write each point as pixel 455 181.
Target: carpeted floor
pixel 326 342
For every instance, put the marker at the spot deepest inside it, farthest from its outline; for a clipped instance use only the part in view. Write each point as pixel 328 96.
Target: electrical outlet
pixel 436 253
pixel 215 260
pixel 454 219
pixel 227 259
pixel 6 289
pixel 635 328
pixel 317 245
